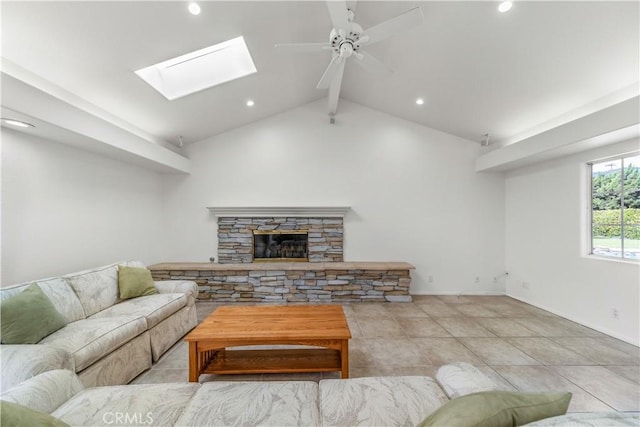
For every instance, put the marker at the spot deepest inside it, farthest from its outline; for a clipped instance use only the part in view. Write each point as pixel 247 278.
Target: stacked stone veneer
pixel 235 237
pixel 291 285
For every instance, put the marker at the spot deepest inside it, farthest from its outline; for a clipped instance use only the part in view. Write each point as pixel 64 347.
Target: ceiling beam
pixel 610 125
pixel 76 122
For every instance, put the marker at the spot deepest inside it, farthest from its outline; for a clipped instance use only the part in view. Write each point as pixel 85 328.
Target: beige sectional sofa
pixel 106 341
pixel 372 401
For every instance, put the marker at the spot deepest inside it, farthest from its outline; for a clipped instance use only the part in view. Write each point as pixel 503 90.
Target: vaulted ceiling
pixel 478 70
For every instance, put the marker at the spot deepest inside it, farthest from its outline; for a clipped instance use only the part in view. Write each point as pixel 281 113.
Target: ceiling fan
pixel 346 40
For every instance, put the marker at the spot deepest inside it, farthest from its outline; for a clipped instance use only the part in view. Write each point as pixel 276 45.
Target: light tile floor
pixel 519 346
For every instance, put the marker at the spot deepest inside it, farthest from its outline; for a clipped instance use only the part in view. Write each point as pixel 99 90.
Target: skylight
pixel 200 69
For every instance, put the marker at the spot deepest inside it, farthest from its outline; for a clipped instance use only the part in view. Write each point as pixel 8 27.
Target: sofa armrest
pixel 178 287
pixel 459 379
pixel 19 362
pixel 45 392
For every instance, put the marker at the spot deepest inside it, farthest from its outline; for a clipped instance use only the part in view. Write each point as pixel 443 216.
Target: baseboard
pixel 461 293
pixel 577 320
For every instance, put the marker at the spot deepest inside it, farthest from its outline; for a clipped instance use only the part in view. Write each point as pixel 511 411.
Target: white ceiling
pixel 479 71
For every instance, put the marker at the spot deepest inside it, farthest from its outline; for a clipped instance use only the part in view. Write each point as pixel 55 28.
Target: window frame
pixel 621 158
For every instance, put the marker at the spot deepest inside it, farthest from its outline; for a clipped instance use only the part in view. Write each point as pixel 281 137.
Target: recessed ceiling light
pixel 17 123
pixel 194 8
pixel 505 6
pixel 199 70
pixel 419 101
pixel 250 103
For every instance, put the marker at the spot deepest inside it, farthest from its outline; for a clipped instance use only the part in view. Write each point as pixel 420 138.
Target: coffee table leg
pixel 194 373
pixel 344 354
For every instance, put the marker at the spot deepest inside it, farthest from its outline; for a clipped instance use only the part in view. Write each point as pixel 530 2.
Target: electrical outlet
pixel 525 285
pixel 477 279
pixel 615 313
pixel 495 279
pixel 430 279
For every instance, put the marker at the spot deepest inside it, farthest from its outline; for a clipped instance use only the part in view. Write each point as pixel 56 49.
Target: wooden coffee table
pixel 322 326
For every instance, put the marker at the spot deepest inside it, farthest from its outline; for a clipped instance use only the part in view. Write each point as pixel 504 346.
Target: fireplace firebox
pixel 280 245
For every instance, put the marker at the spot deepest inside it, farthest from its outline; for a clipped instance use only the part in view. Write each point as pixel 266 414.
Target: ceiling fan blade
pixel 303 47
pixel 338 13
pixel 386 29
pixel 330 72
pixel 334 89
pixel 371 64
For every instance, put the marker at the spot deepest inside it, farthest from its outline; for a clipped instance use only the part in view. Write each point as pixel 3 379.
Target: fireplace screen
pixel 276 245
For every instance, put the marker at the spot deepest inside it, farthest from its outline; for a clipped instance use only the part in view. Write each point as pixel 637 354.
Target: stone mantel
pixel 286 266
pixel 279 211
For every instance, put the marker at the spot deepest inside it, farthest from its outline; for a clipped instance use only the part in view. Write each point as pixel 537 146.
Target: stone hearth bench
pixel 294 281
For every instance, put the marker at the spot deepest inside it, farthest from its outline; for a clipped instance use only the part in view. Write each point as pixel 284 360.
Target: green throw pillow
pixel 28 317
pixel 135 282
pixel 14 415
pixel 498 409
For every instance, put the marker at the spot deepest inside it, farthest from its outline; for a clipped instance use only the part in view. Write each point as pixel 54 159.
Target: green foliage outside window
pixel 607 223
pixel 606 189
pixel 615 202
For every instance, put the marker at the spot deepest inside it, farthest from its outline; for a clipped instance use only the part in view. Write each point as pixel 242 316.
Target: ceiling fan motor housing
pixel 345 44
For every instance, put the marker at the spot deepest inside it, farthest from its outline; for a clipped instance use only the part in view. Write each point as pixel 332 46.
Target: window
pixel 615 207
pixel 200 70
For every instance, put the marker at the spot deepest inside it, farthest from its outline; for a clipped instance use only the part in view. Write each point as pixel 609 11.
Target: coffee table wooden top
pixel 273 323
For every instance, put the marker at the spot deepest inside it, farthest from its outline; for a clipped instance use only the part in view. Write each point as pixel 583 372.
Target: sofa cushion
pixel 273 403
pixel 120 366
pixel 90 339
pixel 60 293
pixel 144 404
pixel 381 401
pixel 21 362
pixel 154 308
pixel 45 392
pixel 498 409
pixel 28 317
pixel 135 282
pixel 97 288
pixel 460 378
pixel 12 414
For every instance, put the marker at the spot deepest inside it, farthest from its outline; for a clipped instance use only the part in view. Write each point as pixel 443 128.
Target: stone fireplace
pixel 247 235
pixel 276 239
pixel 244 273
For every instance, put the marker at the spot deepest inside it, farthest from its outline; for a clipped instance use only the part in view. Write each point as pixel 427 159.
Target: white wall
pixel 64 209
pixel 413 191
pixel 546 236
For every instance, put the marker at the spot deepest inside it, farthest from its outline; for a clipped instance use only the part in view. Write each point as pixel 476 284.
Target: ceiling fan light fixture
pixel 194 8
pixel 505 6
pixel 346 49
